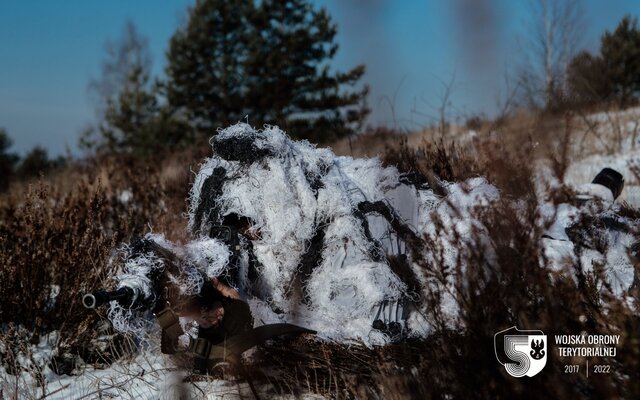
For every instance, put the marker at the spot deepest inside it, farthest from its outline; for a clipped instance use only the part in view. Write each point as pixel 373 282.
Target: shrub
pixel 587 80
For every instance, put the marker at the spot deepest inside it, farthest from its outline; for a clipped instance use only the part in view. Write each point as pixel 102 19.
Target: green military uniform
pixel 237 319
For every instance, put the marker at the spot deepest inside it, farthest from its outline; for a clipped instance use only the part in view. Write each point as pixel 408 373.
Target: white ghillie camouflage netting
pixel 201 255
pixel 606 238
pixel 315 254
pixel 292 194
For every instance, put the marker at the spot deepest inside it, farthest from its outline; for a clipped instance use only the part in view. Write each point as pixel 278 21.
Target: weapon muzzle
pixel 89 300
pixel 96 299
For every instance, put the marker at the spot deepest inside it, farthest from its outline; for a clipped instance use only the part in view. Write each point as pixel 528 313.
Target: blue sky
pixel 49 50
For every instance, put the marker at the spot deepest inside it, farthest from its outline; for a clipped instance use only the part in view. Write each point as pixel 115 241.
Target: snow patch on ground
pixel 150 375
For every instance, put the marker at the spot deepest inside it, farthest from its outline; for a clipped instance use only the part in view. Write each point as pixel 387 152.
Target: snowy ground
pixel 585 169
pixel 608 139
pixel 147 376
pixel 150 375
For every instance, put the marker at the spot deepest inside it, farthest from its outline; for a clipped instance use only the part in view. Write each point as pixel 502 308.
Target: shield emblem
pixel 521 352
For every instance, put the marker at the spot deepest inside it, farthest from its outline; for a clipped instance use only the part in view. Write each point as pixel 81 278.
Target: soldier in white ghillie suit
pixel 298 234
pixel 592 229
pixel 313 238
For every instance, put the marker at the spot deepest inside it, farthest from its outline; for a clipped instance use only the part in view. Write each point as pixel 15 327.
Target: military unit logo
pixel 521 352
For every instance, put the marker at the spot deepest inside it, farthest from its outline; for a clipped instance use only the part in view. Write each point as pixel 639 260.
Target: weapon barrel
pixel 100 297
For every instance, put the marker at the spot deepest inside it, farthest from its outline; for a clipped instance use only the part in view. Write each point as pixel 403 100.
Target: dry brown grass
pixel 63 232
pixel 603 130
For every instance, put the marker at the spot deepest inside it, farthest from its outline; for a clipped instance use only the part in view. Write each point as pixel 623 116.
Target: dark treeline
pixel 34 163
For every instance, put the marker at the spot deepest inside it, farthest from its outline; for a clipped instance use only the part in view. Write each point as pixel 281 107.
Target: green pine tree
pixel 290 79
pixel 206 77
pixel 620 51
pixel 132 119
pixel 268 61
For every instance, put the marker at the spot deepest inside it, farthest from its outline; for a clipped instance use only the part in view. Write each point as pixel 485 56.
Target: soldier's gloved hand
pixel 168 345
